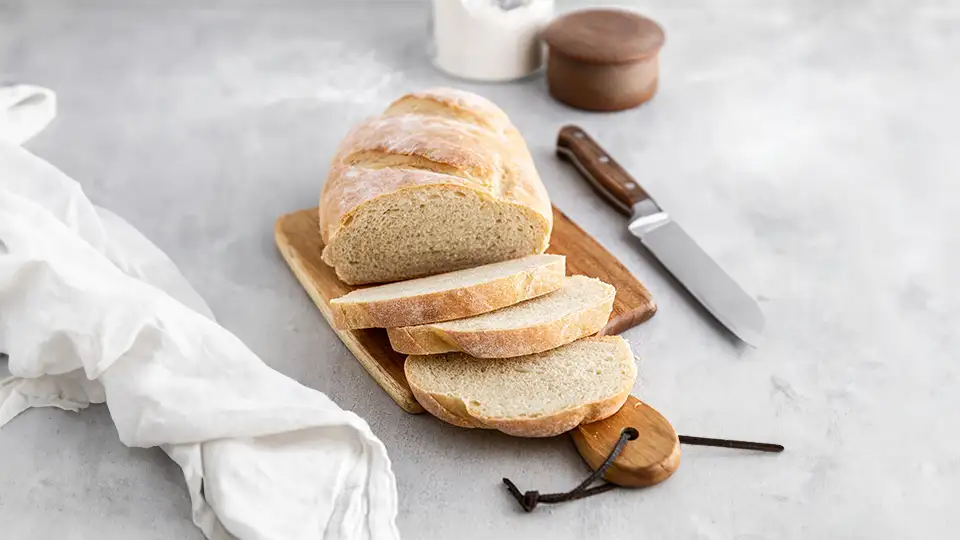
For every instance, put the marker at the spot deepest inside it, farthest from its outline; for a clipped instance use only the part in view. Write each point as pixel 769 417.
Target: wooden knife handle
pixel 601 170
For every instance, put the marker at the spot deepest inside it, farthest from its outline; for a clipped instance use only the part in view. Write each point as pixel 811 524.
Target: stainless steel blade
pixel 698 273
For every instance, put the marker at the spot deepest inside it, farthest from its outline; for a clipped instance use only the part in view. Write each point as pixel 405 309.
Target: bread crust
pixel 454 410
pixel 451 304
pixel 436 137
pixel 506 343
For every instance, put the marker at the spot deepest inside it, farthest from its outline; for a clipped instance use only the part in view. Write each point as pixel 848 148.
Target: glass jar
pixel 488 40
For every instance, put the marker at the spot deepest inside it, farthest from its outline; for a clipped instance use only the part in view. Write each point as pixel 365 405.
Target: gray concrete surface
pixel 810 146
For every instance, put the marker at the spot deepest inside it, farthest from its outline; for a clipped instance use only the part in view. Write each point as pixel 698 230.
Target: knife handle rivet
pixel 578 134
pixel 603 159
pixel 630 185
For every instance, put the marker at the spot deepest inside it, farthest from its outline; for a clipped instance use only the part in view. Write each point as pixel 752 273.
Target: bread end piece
pixel 440 181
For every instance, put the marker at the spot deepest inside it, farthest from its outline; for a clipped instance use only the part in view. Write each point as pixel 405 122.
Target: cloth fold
pixel 24 111
pixel 90 310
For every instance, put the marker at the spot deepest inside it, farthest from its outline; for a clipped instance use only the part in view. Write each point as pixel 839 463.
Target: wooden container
pixel 603 59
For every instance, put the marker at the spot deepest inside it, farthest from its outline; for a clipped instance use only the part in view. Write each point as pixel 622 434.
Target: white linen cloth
pixel 91 311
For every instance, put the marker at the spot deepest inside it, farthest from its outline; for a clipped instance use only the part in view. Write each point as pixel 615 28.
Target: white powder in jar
pixel 489 40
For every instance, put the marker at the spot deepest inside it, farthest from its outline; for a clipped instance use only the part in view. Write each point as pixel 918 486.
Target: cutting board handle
pixel 600 169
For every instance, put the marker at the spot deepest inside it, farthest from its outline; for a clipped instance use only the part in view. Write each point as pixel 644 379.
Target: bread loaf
pixel 440 181
pixel 454 295
pixel 539 395
pixel 580 308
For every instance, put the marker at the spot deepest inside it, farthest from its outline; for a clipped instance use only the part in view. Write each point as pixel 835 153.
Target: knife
pixel 674 248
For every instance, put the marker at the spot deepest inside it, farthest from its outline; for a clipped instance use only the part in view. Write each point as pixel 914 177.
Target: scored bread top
pixel 438 136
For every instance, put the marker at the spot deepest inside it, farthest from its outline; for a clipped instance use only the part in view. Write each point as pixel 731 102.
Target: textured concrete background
pixel 811 147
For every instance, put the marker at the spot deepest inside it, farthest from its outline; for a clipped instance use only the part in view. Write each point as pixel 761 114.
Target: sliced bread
pixel 454 295
pixel 440 181
pixel 538 395
pixel 580 308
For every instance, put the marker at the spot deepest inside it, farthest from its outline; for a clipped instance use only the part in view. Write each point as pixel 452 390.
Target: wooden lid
pixel 604 36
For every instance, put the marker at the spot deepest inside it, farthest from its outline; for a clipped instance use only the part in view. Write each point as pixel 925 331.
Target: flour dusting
pixel 293 71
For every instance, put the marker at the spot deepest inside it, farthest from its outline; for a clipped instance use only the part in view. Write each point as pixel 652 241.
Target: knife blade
pixel 675 249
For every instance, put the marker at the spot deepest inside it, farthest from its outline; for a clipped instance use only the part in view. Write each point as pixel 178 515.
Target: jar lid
pixel 604 36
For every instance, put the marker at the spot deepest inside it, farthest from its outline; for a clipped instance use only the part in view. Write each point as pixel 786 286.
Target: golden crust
pixel 440 136
pixel 454 411
pixel 433 339
pixel 450 304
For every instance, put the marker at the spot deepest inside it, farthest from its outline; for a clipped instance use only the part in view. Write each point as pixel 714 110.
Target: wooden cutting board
pixel 298 237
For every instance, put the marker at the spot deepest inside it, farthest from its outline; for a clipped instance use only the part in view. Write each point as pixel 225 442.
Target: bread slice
pixel 580 308
pixel 453 295
pixel 538 395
